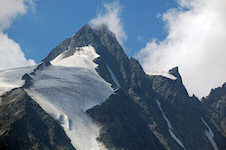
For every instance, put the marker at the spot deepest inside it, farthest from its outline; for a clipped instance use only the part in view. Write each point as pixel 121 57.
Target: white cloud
pixel 195 42
pixel 10 9
pixel 111 17
pixel 11 54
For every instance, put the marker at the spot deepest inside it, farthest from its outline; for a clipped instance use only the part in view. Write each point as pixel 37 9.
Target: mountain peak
pixel 224 85
pixel 103 29
pixel 101 26
pixel 85 28
pixel 100 37
pixel 85 84
pixel 175 72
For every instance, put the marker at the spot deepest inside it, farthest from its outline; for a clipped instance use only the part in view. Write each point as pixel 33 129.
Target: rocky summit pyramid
pixel 88 95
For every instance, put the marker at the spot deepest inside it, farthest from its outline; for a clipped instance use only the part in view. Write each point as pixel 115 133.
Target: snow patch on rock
pixel 171 130
pixel 210 135
pixel 113 76
pixel 164 74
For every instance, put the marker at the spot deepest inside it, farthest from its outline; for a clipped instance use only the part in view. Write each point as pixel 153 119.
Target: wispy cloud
pixel 195 42
pixel 11 54
pixel 111 17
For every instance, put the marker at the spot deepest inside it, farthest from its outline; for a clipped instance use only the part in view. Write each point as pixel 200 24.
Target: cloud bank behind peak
pixel 195 42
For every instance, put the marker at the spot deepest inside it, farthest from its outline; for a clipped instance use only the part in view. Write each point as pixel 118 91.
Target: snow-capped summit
pixel 88 95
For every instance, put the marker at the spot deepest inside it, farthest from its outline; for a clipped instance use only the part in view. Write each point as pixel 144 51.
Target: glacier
pixel 69 87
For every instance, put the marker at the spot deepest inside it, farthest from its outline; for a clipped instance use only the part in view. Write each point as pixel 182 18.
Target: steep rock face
pixel 83 37
pixel 24 125
pixel 123 128
pixel 167 88
pixel 215 108
pixel 144 112
pixel 63 46
pixel 183 111
pixel 141 92
pixel 128 72
pixel 217 100
pixel 133 81
pixel 176 102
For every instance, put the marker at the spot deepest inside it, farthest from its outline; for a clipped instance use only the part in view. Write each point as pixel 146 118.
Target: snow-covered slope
pixel 12 78
pixel 164 74
pixel 67 88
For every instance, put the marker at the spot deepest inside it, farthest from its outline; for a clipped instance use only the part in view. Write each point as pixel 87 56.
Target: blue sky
pixel 161 34
pixel 39 31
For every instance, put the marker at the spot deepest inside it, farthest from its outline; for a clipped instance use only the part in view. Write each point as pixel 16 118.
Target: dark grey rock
pixel 215 108
pixel 123 128
pixel 24 125
pixel 28 80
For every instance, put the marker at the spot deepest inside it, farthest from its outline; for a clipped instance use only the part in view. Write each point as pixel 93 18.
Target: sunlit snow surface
pixel 210 135
pixel 69 87
pixel 12 78
pixel 164 74
pixel 171 130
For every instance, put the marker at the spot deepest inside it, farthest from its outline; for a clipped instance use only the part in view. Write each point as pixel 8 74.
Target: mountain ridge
pixel 163 109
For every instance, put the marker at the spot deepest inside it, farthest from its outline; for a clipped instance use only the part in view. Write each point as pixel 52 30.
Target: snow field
pixel 68 88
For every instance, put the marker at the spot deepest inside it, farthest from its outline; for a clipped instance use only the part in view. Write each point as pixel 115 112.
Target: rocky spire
pixel 175 72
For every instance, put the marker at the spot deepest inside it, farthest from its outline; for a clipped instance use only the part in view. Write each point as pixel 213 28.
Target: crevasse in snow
pixel 171 130
pixel 113 76
pixel 210 135
pixel 164 74
pixel 69 87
